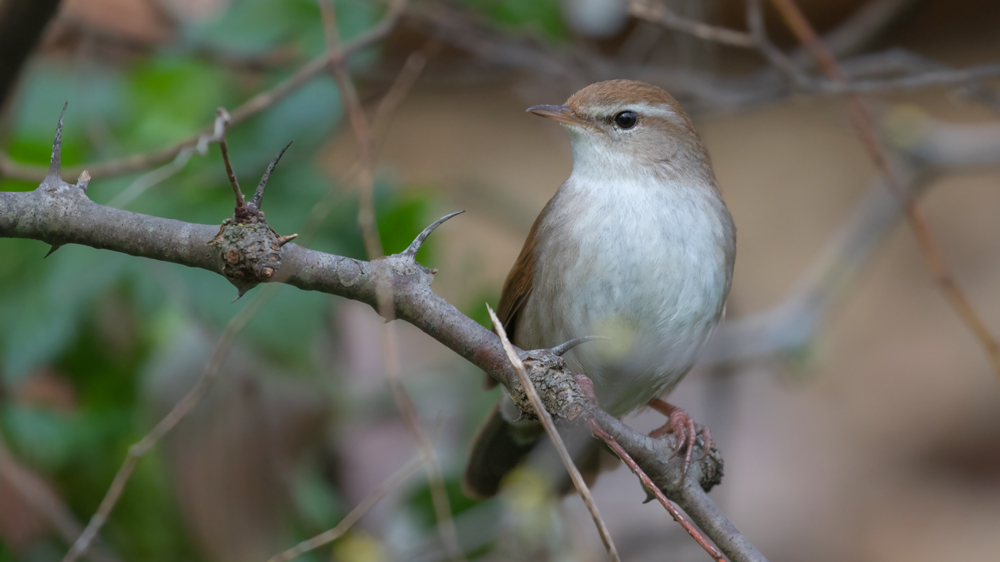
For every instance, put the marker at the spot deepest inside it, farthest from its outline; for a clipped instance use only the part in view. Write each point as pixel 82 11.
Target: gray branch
pixel 248 252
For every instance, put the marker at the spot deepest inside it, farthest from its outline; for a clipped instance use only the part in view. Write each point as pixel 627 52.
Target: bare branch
pixel 63 214
pixel 550 428
pixel 863 124
pixel 304 75
pixel 658 12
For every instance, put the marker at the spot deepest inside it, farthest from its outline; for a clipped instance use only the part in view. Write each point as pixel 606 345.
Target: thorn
pixel 282 240
pixel 258 196
pixel 55 163
pixel 564 347
pixel 240 292
pixel 52 250
pixel 83 181
pixel 419 240
pixel 650 496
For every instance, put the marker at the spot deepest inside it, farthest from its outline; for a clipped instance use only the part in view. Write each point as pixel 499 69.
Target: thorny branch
pixel 61 213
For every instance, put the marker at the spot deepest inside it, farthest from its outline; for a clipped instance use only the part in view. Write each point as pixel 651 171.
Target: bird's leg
pixel 683 427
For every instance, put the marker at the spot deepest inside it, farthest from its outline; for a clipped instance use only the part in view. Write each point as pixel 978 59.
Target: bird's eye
pixel 626 119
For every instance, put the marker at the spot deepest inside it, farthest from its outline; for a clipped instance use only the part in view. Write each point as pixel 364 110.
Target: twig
pixel 373 245
pixel 362 131
pixel 398 91
pixel 237 192
pixel 655 490
pixel 140 161
pixel 657 12
pixel 550 428
pixel 863 124
pixel 397 479
pixel 179 411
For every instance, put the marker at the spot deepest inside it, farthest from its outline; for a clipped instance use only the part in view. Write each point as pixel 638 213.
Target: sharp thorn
pixel 419 240
pixel 564 347
pixel 239 294
pixel 52 250
pixel 650 496
pixel 55 163
pixel 83 181
pixel 258 196
pixel 282 240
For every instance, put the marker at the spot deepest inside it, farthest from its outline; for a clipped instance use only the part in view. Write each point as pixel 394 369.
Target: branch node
pixel 55 162
pixel 422 237
pixel 258 196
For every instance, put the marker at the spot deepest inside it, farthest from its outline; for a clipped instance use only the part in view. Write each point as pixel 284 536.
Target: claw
pixel 419 240
pixel 684 429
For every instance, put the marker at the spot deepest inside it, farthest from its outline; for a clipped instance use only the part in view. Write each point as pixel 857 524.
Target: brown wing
pixel 517 287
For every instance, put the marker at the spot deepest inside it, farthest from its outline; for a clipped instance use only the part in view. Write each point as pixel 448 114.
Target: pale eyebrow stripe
pixel 641 108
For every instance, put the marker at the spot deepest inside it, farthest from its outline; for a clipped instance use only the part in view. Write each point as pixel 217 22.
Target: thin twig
pixel 397 92
pixel 397 479
pixel 237 192
pixel 550 429
pixel 263 100
pixel 373 245
pixel 864 125
pixel 657 12
pixel 362 131
pixel 179 411
pixel 648 484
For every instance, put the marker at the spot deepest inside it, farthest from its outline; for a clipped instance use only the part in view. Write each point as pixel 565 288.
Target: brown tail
pixel 497 449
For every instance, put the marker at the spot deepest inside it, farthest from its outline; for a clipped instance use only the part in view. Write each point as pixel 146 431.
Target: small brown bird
pixel 637 246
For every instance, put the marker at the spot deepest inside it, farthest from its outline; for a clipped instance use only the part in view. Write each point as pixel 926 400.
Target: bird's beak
pixel 560 113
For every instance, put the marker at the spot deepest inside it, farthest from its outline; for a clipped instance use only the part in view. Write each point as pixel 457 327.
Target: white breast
pixel 641 262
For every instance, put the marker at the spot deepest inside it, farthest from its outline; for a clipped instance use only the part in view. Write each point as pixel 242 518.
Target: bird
pixel 636 246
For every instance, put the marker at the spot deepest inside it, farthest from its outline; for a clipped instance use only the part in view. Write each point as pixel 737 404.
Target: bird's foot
pixel 586 388
pixel 683 427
